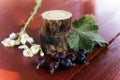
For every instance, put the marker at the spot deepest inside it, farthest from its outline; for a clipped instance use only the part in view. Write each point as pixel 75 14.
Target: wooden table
pixel 104 62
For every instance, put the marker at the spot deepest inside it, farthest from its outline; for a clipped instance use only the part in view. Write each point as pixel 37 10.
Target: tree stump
pixel 55 24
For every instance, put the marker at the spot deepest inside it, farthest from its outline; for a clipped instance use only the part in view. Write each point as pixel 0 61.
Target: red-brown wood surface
pixel 105 66
pixel 13 66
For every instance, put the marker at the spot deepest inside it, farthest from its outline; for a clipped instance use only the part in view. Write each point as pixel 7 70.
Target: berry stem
pixel 51 71
pixel 87 63
pixel 38 65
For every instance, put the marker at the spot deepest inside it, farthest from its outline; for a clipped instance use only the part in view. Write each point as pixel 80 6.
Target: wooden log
pixel 55 25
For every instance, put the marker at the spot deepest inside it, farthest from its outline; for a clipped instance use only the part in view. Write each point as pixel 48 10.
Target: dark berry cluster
pixel 62 60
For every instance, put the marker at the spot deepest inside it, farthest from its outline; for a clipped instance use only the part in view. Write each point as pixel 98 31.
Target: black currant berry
pixel 82 51
pixel 60 55
pixel 40 61
pixel 53 66
pixel 65 63
pixel 81 59
pixel 72 57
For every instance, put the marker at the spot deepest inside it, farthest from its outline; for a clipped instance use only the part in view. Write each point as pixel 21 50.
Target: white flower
pixel 30 40
pixel 35 48
pixel 17 42
pixel 26 38
pixel 8 42
pixel 27 53
pixel 12 36
pixel 23 47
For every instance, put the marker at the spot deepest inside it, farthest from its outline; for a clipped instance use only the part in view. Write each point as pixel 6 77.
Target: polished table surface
pixel 104 62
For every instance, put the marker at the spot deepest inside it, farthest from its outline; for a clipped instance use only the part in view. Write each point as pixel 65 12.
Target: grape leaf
pixel 84 34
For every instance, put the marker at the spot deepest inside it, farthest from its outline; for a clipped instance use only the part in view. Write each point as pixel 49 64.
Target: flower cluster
pixel 8 42
pixel 21 39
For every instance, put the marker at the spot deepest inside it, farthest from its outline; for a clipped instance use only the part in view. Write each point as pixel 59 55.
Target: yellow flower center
pixel 35 47
pixel 28 52
pixel 8 43
pixel 25 36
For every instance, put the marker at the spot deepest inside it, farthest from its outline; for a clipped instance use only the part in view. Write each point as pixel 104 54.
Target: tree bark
pixel 55 25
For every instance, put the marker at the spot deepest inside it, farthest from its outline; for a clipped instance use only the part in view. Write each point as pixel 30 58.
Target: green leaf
pixel 77 41
pixel 86 20
pixel 84 34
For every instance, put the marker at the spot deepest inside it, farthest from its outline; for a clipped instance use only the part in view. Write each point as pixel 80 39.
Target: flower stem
pixel 38 4
pixel 41 51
